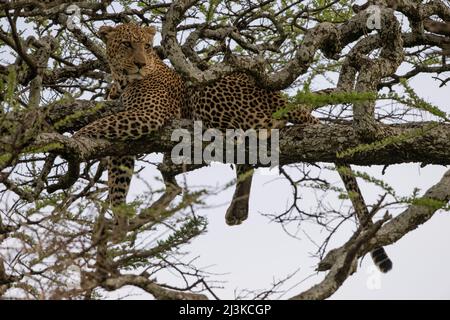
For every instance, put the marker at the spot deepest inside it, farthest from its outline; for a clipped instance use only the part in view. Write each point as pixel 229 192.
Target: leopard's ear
pixel 150 31
pixel 104 32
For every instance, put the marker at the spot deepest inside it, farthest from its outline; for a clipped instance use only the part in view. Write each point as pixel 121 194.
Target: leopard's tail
pixel 303 115
pixel 379 255
pixel 381 259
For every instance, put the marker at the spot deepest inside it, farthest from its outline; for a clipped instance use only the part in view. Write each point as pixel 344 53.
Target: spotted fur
pixel 153 94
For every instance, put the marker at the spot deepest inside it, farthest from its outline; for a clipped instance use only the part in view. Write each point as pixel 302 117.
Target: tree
pixel 55 239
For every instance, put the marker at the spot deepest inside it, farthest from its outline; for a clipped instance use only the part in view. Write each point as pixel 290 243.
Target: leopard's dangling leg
pixel 121 126
pixel 238 209
pixel 120 172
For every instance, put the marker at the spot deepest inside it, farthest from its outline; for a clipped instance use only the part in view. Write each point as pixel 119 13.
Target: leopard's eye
pixel 126 44
pixel 147 46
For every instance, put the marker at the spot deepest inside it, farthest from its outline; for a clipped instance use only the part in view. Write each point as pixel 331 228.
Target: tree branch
pixel 151 287
pixel 423 142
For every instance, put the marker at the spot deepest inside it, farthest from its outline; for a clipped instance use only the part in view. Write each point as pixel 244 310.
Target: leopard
pixel 153 94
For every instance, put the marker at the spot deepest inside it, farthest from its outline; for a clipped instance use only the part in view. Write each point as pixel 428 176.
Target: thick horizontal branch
pixel 423 142
pixel 427 143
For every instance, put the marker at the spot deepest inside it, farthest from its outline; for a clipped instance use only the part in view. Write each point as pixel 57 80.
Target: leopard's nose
pixel 139 64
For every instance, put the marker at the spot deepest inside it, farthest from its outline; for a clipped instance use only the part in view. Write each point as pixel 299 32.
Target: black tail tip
pixel 385 266
pixel 381 259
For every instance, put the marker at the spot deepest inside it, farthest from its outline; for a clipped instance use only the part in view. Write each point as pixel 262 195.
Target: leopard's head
pixel 128 48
